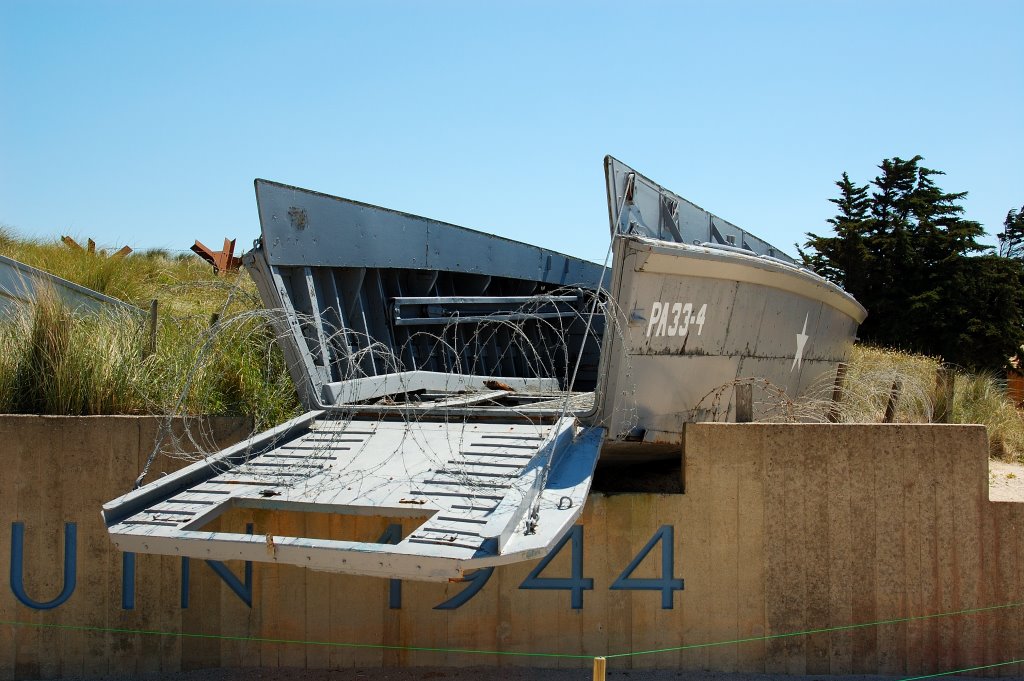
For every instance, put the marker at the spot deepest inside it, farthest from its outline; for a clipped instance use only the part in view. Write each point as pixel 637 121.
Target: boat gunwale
pixel 735 262
pixel 275 259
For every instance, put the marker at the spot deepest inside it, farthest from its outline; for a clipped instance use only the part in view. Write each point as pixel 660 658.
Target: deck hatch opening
pixel 364 526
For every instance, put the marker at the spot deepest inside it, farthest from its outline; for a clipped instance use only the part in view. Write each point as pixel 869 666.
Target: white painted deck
pixel 479 483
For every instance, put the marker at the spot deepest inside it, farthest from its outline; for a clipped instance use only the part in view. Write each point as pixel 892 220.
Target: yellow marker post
pixel 599 668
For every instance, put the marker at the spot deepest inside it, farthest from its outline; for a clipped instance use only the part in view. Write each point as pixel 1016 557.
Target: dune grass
pixel 977 398
pixel 58 362
pixel 870 375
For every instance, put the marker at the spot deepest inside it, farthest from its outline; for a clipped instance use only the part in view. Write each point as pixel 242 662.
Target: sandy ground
pixel 1006 483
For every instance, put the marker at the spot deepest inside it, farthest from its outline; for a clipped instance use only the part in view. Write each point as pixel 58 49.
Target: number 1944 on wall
pixel 674 319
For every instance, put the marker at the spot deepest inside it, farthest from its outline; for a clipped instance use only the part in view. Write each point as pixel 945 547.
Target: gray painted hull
pixel 701 305
pixel 695 320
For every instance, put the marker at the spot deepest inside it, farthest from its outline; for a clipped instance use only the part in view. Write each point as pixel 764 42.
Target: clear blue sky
pixel 144 123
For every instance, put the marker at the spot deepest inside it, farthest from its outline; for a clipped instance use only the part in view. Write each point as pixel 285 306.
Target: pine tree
pixel 1011 239
pixel 906 254
pixel 844 258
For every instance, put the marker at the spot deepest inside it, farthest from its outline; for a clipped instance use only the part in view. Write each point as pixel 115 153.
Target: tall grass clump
pixel 977 397
pixel 232 367
pixel 870 375
pixel 981 398
pixel 64 362
pixel 58 362
pixel 215 351
pixel 6 239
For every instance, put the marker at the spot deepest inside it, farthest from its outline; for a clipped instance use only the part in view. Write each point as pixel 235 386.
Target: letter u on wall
pixel 18 567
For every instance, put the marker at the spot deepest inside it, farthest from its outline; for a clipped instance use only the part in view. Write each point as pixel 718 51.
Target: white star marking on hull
pixel 801 341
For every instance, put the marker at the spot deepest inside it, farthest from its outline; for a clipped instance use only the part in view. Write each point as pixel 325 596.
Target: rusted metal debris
pixel 223 261
pixel 91 247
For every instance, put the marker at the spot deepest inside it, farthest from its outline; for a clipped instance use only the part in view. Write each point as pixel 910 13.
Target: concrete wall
pixel 781 529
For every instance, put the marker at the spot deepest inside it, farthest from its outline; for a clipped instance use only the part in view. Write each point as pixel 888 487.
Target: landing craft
pixel 472 382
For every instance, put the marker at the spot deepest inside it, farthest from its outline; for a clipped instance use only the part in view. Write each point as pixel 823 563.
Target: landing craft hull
pixel 702 306
pixel 699 321
pixel 474 381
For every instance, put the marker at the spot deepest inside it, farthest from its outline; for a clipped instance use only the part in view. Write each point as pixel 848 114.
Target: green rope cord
pixel 472 651
pixel 845 627
pixel 961 671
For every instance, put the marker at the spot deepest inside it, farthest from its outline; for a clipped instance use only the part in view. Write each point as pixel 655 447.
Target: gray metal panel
pixel 743 321
pixel 21 283
pixel 373 387
pixel 368 291
pixel 305 228
pixel 648 209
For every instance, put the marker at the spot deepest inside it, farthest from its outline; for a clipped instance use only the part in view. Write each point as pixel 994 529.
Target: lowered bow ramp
pixel 493 494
